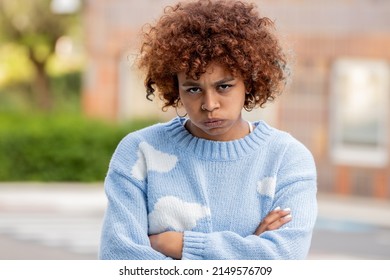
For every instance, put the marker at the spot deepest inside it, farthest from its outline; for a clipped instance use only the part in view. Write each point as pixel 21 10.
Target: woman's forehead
pixel 215 75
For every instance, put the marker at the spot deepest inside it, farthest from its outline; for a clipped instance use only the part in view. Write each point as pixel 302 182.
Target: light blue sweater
pixel 162 178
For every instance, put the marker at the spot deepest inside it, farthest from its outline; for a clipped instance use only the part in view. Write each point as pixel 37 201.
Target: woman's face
pixel 222 97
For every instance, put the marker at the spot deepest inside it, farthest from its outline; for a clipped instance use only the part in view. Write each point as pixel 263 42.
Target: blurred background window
pixel 360 100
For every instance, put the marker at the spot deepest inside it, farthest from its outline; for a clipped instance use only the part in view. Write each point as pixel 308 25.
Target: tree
pixel 32 25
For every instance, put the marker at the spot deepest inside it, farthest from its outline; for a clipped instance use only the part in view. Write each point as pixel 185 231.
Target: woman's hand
pixel 274 220
pixel 169 243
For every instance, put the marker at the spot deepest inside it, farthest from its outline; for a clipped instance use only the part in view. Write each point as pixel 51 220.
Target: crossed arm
pixel 170 243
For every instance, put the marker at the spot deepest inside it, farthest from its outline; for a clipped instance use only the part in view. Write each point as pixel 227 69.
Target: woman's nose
pixel 210 102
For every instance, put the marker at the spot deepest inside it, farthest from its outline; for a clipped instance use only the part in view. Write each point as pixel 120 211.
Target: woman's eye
pixel 193 90
pixel 224 87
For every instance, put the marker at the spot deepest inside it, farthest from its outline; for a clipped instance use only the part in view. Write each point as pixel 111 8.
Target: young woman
pixel 210 185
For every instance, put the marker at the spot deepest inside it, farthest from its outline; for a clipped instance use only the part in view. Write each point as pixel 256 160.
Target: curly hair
pixel 190 35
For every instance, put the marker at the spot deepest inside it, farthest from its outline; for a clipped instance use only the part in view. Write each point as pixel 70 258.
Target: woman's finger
pixel 274 220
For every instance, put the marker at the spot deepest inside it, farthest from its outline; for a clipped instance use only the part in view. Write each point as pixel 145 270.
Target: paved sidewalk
pixel 364 210
pixel 351 228
pixel 63 220
pixel 50 221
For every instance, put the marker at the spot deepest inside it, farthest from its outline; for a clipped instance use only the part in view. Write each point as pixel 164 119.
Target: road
pixel 63 221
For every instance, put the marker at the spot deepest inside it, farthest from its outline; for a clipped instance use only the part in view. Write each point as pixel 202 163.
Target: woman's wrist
pixel 169 243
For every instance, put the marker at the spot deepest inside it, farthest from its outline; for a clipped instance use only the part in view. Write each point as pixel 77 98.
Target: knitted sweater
pixel 162 178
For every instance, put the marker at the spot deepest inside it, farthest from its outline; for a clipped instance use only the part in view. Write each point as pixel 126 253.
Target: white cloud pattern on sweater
pixel 267 186
pixel 170 212
pixel 150 159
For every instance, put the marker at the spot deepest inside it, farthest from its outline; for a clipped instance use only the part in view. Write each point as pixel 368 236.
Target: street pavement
pixel 50 221
pixel 62 221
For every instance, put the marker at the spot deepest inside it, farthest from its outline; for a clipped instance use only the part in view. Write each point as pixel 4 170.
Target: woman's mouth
pixel 213 123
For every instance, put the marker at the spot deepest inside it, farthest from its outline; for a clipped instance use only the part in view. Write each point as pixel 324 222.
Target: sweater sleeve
pixel 125 225
pixel 296 189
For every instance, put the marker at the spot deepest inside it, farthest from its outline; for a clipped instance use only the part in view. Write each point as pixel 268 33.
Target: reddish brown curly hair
pixel 190 35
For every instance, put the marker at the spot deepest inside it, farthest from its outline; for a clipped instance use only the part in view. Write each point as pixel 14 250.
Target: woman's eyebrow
pixel 190 84
pixel 194 83
pixel 225 80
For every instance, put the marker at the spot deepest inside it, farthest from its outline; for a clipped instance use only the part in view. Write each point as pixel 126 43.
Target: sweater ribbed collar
pixel 217 150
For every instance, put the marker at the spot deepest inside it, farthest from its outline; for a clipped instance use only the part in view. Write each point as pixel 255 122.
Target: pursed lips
pixel 213 123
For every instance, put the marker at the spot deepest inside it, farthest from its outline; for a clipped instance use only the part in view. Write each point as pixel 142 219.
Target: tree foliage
pixel 33 25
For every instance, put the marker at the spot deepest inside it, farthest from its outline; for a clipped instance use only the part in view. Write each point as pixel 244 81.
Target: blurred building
pixel 337 102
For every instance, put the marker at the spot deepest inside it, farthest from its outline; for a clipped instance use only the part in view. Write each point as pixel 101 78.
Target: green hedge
pixel 58 148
